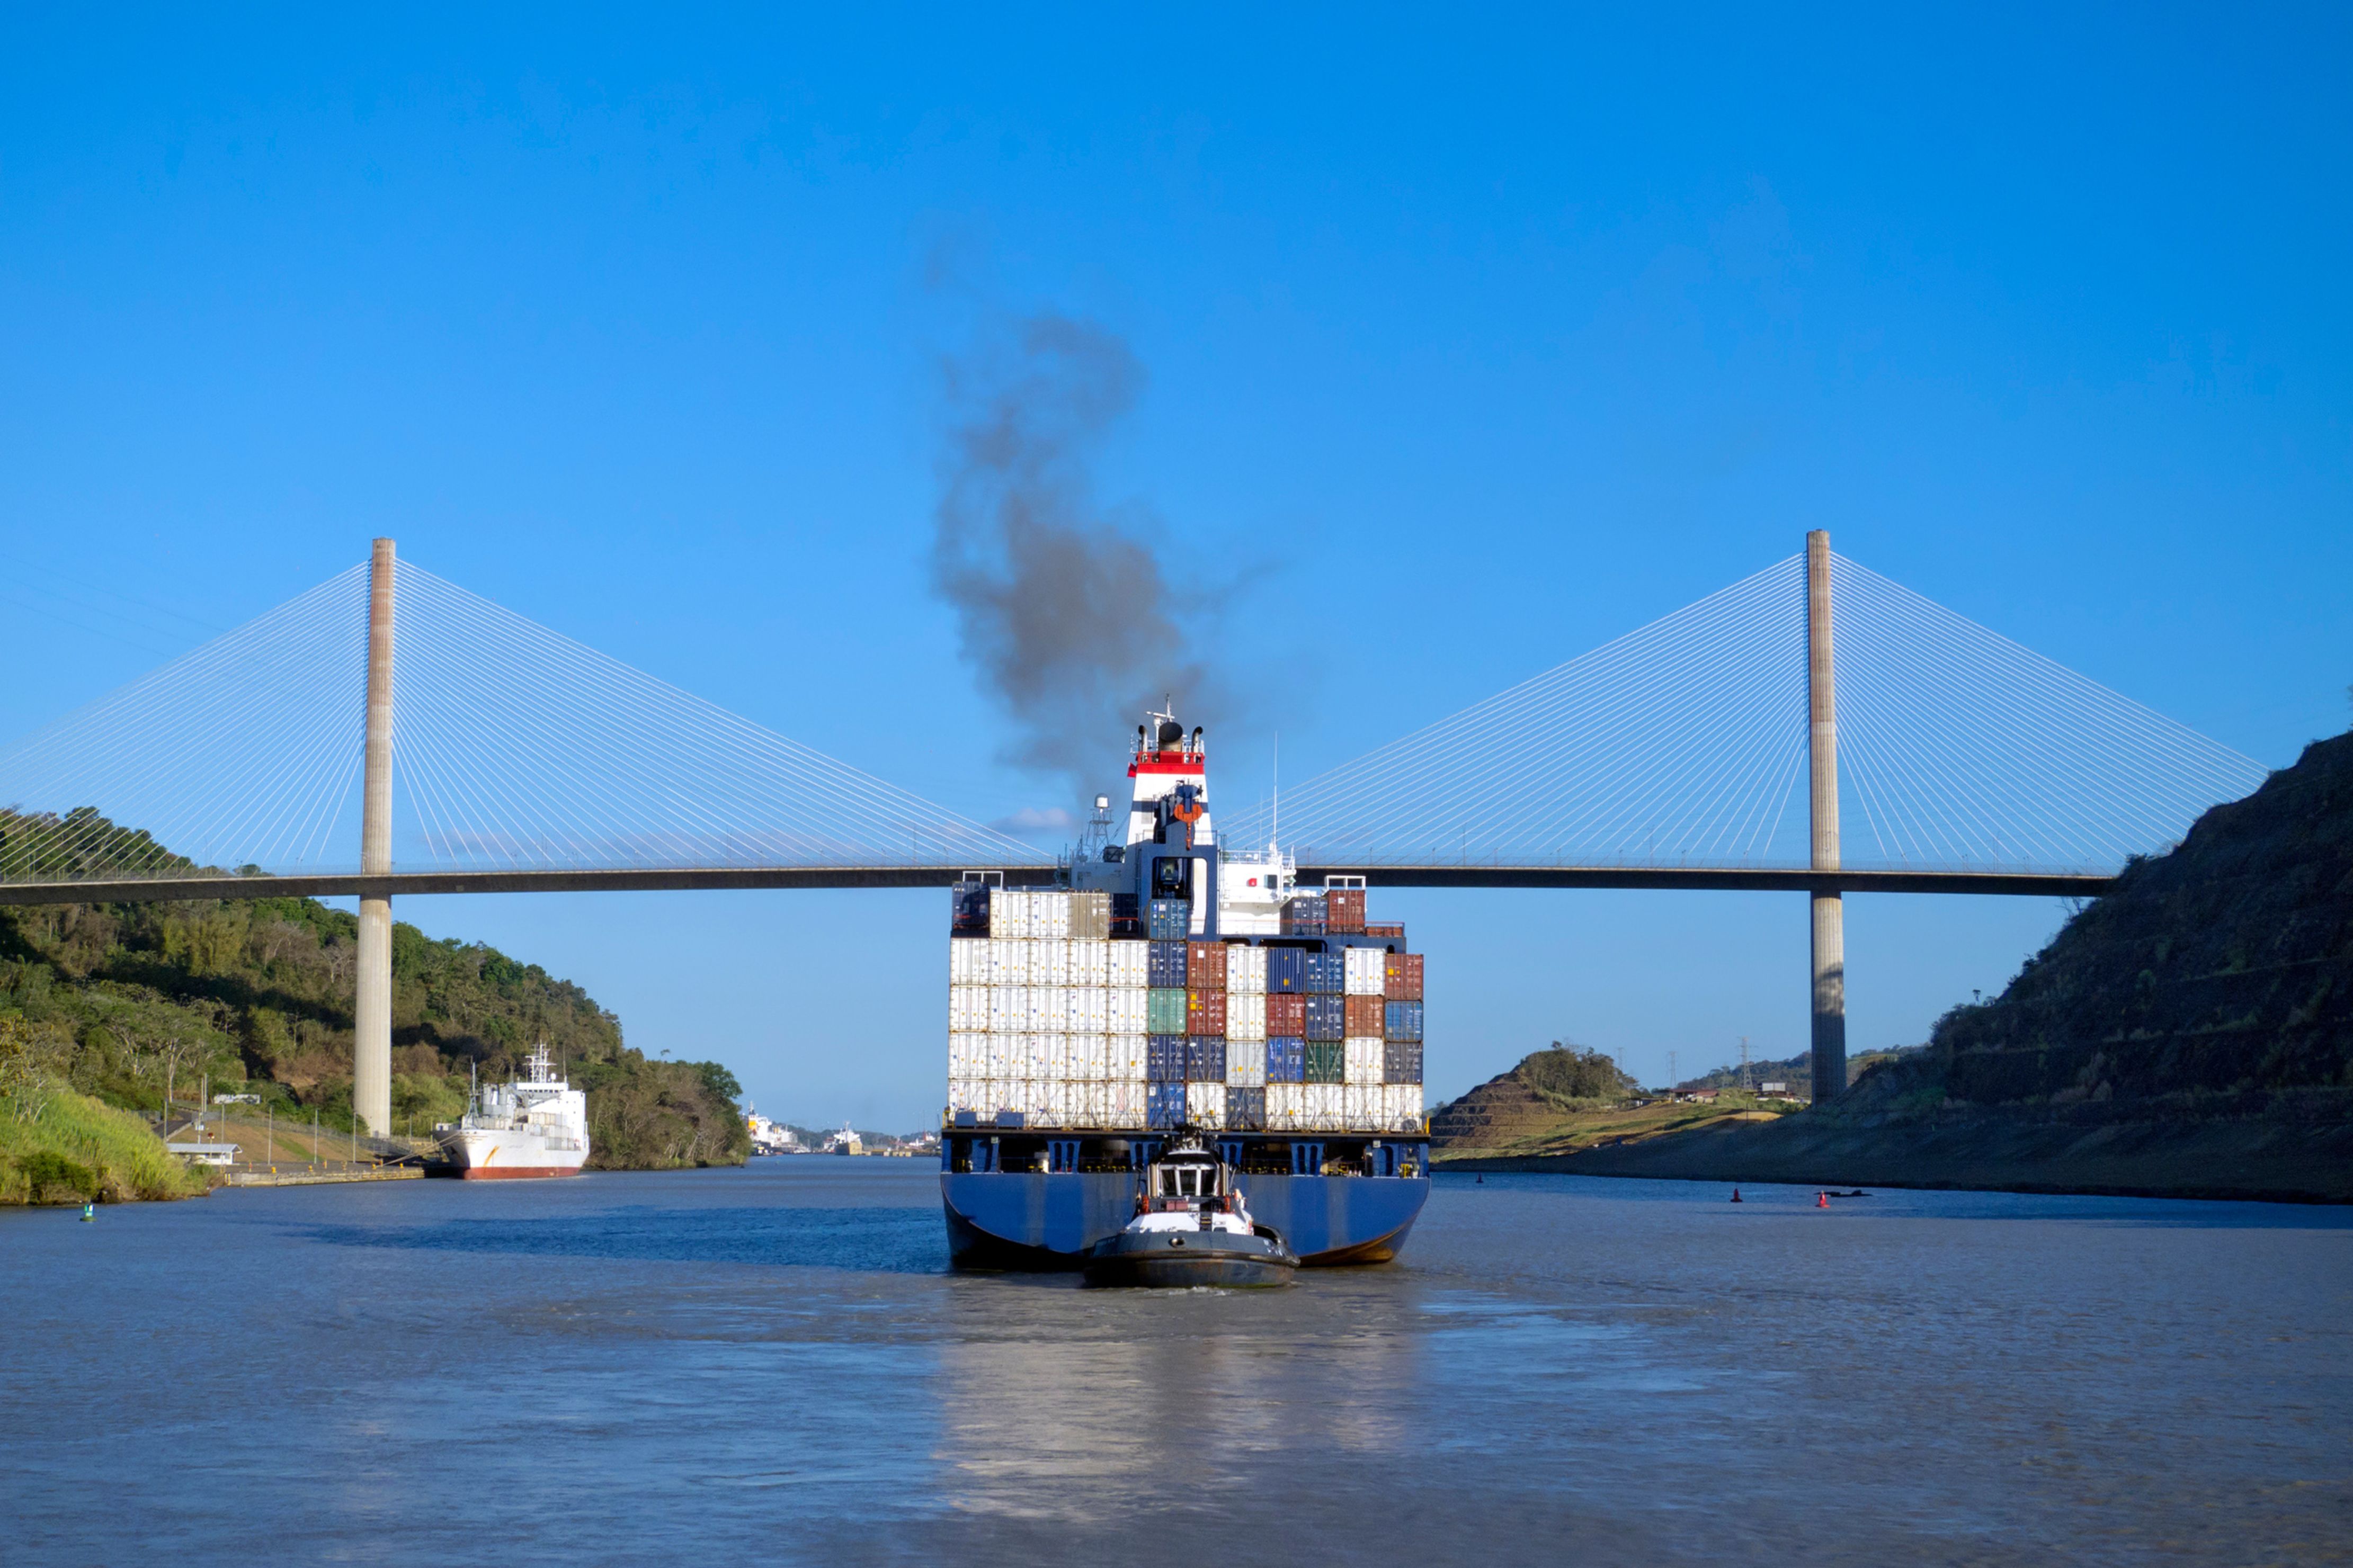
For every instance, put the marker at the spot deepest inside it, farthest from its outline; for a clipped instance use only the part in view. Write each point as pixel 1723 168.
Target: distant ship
pixel 534 1126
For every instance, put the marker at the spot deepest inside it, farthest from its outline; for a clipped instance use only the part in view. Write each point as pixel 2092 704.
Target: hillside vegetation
pixel 2216 980
pixel 116 1001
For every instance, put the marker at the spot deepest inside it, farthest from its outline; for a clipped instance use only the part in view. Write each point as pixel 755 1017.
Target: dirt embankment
pixel 2279 1160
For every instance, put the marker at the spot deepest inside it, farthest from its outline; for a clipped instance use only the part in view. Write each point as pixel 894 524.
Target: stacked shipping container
pixel 1070 1018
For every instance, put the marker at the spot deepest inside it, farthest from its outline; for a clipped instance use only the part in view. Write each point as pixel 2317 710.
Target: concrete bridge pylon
pixel 1829 908
pixel 372 1046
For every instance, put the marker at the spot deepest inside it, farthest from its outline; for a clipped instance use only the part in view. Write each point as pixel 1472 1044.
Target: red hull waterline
pixel 516 1173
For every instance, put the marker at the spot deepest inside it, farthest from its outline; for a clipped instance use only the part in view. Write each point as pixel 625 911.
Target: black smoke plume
pixel 1061 603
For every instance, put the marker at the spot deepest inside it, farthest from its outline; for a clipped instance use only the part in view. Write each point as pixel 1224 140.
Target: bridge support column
pixel 372 1050
pixel 1829 913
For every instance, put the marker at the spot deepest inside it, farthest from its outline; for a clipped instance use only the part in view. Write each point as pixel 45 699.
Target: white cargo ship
pixel 534 1126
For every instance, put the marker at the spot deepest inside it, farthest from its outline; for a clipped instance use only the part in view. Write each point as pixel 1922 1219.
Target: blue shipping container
pixel 1328 1017
pixel 1172 919
pixel 1164 963
pixel 1286 969
pixel 1286 1060
pixel 1164 1104
pixel 1400 1063
pixel 1246 1110
pixel 1165 1058
pixel 1327 974
pixel 1401 1021
pixel 1205 1058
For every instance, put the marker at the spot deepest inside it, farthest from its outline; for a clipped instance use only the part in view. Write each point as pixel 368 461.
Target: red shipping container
pixel 1204 1013
pixel 1401 977
pixel 1344 910
pixel 1365 1017
pixel 1205 967
pixel 1286 1015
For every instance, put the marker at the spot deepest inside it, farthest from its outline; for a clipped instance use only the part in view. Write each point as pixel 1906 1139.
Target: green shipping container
pixel 1327 1062
pixel 1163 1011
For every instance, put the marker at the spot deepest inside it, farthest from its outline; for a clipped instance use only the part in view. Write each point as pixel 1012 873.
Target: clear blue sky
pixel 1473 341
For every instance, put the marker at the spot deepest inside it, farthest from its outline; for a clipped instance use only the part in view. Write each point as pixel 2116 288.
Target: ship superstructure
pixel 1174 987
pixel 536 1125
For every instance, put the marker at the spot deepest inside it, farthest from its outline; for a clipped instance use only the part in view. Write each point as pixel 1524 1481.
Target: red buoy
pixel 1735 1195
pixel 1821 1200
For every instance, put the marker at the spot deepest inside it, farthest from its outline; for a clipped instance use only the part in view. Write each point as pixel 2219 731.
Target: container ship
pixel 534 1126
pixel 1174 987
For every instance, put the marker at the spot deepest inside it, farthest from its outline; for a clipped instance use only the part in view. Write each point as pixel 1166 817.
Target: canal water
pixel 772 1364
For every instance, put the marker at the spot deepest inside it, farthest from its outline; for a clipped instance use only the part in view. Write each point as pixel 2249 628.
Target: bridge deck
pixel 697 878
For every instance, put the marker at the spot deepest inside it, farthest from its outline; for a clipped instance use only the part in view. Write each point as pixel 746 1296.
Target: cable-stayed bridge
pixel 390 733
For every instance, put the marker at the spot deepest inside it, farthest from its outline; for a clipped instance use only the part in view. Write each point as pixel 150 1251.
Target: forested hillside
pixel 120 999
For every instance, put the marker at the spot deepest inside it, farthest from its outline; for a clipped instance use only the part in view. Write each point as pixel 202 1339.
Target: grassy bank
pixel 1562 1131
pixel 60 1147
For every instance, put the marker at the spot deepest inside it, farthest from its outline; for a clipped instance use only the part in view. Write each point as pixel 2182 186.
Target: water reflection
pixel 775 1363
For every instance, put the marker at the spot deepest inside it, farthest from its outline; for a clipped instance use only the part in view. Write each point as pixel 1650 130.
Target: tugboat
pixel 1190 1228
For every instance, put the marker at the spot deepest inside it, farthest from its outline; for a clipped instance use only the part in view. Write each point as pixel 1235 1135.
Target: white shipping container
pixel 966 954
pixel 1123 1103
pixel 968 1055
pixel 1037 964
pixel 1091 962
pixel 1205 1104
pixel 1032 1058
pixel 1361 1105
pixel 1090 1010
pixel 1049 915
pixel 1361 1062
pixel 1058 962
pixel 1008 963
pixel 1054 1054
pixel 967 1093
pixel 1053 1003
pixel 1364 971
pixel 1128 1010
pixel 1088 1053
pixel 1131 963
pixel 1128 1056
pixel 1245 1016
pixel 1401 1107
pixel 1286 1107
pixel 998 1049
pixel 1017 919
pixel 1245 1062
pixel 967 1009
pixel 1004 1002
pixel 1050 1102
pixel 1326 1110
pixel 996 1094
pixel 1245 970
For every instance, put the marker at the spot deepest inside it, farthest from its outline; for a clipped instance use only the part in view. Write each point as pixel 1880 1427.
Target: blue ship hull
pixel 1017 1219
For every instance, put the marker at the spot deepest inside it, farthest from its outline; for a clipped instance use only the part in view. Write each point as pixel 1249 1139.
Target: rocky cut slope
pixel 1527 1104
pixel 2216 980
